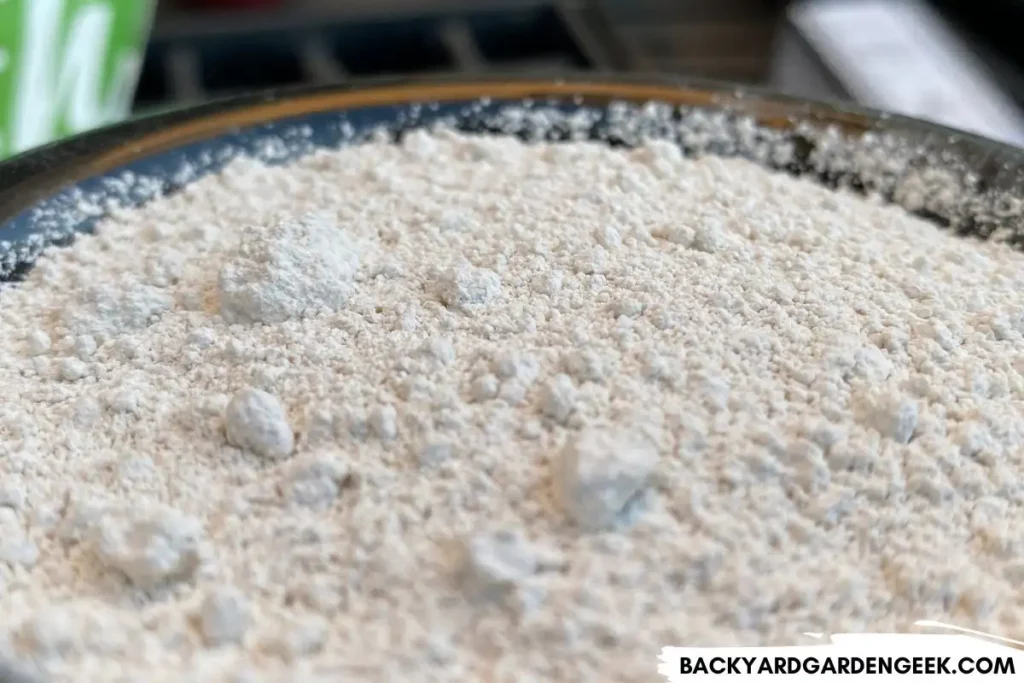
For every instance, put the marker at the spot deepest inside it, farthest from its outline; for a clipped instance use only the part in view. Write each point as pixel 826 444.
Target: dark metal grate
pixel 191 59
pixel 194 57
pixel 723 39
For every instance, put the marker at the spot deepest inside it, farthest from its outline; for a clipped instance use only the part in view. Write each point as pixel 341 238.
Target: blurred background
pixel 951 61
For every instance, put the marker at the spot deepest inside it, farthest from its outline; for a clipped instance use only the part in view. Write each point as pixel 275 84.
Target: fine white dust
pixel 488 410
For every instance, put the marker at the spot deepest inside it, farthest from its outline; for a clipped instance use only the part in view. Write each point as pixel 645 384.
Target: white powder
pixel 484 410
pixel 223 617
pixel 256 422
pixel 291 269
pixel 600 471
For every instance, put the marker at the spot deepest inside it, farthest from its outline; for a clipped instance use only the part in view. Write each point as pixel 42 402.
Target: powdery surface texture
pixel 482 410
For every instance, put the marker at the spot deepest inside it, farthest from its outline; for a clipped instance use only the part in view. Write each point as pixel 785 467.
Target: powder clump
pixel 150 545
pixel 465 286
pixel 314 481
pixel 109 310
pixel 223 617
pixel 494 562
pixel 256 421
pixel 289 270
pixel 600 470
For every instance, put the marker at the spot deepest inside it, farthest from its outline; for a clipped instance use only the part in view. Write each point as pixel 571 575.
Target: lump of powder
pixel 107 310
pixel 150 545
pixel 600 470
pixel 256 421
pixel 289 269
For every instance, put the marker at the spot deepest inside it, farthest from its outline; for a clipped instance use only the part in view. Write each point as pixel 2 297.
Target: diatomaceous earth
pixel 486 410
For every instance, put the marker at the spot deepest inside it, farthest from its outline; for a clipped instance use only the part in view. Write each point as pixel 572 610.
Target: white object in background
pixel 900 56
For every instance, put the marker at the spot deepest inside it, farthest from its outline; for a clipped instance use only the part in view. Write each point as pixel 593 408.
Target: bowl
pixel 958 180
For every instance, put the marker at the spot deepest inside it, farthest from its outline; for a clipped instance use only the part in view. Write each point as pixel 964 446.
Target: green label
pixel 67 66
